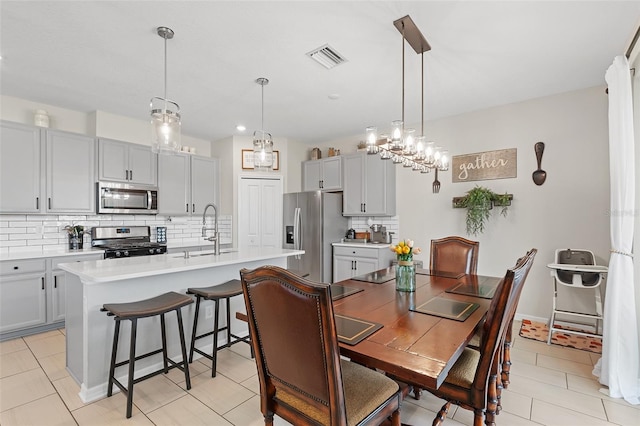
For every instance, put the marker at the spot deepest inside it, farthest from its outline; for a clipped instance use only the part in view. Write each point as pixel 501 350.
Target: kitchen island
pixel 89 332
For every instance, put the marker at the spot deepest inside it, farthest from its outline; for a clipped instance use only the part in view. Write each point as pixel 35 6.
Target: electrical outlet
pixel 208 313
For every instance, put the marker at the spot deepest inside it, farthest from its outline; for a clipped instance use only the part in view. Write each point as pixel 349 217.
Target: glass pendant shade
pixel 371 137
pixel 165 126
pixel 262 151
pixel 397 141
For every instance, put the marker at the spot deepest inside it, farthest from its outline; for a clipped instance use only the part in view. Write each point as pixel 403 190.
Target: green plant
pixel 479 202
pixel 74 230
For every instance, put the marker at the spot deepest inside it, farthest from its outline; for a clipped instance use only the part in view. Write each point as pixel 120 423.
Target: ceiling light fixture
pixel 402 146
pixel 165 114
pixel 262 142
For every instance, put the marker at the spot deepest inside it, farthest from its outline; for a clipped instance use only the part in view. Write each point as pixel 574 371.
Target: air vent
pixel 326 56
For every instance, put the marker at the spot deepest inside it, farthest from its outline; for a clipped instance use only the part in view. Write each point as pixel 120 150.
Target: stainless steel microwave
pixel 126 198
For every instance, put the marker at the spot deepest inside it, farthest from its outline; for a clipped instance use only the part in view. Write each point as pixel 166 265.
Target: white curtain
pixel 619 367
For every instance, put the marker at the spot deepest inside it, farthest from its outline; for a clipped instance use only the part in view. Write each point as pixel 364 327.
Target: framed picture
pixel 247 160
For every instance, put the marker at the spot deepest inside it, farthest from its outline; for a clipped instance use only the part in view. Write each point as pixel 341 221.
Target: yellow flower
pixel 398 250
pixel 406 249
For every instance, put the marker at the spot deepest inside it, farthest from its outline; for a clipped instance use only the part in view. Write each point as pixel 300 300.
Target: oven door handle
pixel 149 200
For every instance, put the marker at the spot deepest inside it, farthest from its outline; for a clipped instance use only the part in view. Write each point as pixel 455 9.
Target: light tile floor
pixel 550 385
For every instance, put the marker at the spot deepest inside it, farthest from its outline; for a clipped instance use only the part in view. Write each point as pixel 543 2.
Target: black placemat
pixel 378 277
pixel 353 330
pixel 447 308
pixel 340 291
pixel 485 291
pixel 436 273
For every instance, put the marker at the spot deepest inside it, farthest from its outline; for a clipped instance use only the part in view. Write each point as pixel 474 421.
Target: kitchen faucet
pixel 216 235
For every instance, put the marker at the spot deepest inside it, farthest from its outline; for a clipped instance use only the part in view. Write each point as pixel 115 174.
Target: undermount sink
pixel 199 254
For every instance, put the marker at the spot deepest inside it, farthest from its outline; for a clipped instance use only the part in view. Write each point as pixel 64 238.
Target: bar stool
pixel 158 305
pixel 216 293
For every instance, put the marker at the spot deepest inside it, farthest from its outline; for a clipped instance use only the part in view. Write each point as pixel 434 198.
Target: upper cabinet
pixel 324 174
pixel 186 184
pixel 127 162
pixel 20 168
pixel 68 186
pixel 369 187
pixel 71 185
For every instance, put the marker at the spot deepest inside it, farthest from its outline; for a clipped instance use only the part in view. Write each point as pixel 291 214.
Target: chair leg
pixel 478 417
pixel 442 414
pixel 268 419
pixel 395 418
pixel 228 345
pixel 195 328
pixel 214 361
pixel 492 401
pixel 132 361
pixel 553 311
pixel 114 351
pixel 164 344
pixel 183 346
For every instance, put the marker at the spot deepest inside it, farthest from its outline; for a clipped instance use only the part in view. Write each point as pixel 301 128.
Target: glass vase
pixel 405 276
pixel 75 241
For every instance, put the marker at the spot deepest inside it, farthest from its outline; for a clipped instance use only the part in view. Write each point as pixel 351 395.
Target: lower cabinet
pixel 350 261
pixel 22 294
pixel 32 294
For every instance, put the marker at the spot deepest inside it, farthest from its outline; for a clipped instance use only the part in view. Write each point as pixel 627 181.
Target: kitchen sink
pixel 206 253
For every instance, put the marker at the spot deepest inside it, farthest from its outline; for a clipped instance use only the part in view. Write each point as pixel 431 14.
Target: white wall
pixel 569 210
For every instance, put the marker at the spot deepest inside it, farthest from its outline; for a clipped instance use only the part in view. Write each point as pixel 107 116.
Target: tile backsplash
pixel 25 233
pixel 361 224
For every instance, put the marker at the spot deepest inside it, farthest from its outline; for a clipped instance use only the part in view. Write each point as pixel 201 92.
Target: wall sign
pixel 500 164
pixel 247 159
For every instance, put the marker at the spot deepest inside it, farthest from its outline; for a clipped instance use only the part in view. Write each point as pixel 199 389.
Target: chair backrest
pixel 576 257
pixel 454 254
pixel 293 334
pixel 498 320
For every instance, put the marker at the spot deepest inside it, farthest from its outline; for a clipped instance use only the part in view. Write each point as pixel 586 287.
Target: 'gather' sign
pixel 486 165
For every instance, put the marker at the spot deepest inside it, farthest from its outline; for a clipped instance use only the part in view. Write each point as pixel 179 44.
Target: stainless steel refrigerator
pixel 312 221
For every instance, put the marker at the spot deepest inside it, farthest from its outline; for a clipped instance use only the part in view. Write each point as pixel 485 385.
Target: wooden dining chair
pixel 454 254
pixel 472 381
pixel 302 377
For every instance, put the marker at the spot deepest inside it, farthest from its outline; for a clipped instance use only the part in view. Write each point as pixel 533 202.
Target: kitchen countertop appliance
pixel 379 234
pixel 125 241
pixel 312 221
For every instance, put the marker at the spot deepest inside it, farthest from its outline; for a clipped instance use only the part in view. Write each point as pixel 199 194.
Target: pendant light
pixel 262 142
pixel 165 113
pixel 402 146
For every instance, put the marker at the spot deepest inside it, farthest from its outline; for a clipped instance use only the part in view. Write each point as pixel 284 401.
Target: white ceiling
pixel 106 55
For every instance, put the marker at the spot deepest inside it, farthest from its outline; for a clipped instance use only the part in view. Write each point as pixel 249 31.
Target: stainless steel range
pixel 125 241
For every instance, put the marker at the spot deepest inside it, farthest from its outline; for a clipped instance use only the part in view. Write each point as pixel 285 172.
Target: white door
pixel 260 212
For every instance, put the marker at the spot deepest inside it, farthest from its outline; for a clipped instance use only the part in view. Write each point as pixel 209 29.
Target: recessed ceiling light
pixel 334 96
pixel 241 128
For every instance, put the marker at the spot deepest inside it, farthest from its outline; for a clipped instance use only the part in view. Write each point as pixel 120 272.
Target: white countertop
pixel 55 252
pixel 366 245
pixel 144 266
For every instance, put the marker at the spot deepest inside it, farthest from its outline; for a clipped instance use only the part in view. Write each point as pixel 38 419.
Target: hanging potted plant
pixel 479 201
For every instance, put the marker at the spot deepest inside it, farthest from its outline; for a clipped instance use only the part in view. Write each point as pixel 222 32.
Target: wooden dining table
pixel 415 347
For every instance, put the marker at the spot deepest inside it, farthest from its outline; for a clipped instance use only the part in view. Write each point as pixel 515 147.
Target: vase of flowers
pixel 405 269
pixel 76 236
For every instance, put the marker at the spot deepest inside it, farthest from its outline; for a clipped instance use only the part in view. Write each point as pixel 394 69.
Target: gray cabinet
pixel 186 184
pixel 127 162
pixel 369 187
pixel 324 174
pixel 349 261
pixel 20 168
pixel 71 184
pixel 68 186
pixel 22 295
pixel 204 183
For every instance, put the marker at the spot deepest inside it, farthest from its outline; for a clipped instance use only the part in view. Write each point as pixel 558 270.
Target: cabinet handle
pixel 15 268
pixel 187 207
pixel 55 282
pixel 365 207
pixel 42 282
pixel 49 203
pixel 126 175
pixel 193 208
pixel 37 203
pixel 130 174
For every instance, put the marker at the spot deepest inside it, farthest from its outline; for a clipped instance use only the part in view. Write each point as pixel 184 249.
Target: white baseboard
pixel 520 317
